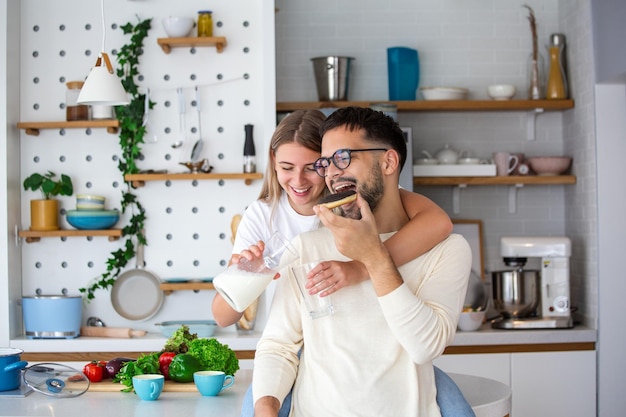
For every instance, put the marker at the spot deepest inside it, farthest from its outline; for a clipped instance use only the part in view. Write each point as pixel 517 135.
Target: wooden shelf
pixel 438 105
pixel 35 236
pixel 169 287
pixel 168 43
pixel 32 128
pixel 139 180
pixel 498 180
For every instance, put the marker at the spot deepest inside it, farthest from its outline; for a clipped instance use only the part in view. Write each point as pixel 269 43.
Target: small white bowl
pixel 177 27
pixel 501 91
pixel 471 320
pixel 444 93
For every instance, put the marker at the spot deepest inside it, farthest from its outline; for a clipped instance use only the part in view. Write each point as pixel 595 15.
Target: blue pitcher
pixel 403 70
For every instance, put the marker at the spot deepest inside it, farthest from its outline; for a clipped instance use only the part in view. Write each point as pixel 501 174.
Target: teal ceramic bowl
pixel 92 219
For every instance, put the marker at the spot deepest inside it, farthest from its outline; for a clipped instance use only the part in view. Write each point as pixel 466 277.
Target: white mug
pixel 505 162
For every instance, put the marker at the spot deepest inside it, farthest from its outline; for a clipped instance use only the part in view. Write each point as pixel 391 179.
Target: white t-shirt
pixel 259 223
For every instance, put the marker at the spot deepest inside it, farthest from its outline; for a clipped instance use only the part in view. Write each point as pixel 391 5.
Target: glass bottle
pixel 73 110
pixel 249 153
pixel 242 283
pixel 205 23
pixel 556 87
pixel 536 77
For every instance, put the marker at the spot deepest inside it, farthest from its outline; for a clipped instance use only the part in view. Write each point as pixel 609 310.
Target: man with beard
pixel 373 356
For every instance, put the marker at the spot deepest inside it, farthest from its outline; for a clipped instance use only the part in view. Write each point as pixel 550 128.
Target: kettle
pixel 447 155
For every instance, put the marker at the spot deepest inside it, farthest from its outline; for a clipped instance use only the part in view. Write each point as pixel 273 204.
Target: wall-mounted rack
pixel 168 43
pixel 33 128
pixel 139 180
pixel 35 236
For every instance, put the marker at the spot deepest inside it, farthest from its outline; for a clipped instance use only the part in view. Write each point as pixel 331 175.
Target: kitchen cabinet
pixel 559 383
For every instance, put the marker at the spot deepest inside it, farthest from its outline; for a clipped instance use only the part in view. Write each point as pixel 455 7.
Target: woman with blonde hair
pixel 290 190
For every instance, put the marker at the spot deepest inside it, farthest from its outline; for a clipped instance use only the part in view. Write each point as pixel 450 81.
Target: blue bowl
pixel 92 219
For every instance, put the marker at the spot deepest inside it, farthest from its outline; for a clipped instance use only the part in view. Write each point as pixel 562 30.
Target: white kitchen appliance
pixel 552 308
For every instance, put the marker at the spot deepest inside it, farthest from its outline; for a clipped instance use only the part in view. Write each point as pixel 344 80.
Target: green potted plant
pixel 44 212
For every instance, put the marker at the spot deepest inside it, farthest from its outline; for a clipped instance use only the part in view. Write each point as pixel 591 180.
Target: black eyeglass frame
pixel 339 158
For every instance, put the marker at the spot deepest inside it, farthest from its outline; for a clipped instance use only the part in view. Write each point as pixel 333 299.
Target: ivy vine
pixel 131 137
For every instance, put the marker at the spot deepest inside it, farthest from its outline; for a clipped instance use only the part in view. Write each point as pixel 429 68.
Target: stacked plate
pixel 90 213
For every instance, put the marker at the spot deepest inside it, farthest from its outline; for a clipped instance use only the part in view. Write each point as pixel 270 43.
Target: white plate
pixel 137 295
pixel 444 93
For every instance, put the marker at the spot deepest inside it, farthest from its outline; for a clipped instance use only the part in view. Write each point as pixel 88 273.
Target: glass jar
pixel 73 110
pixel 205 23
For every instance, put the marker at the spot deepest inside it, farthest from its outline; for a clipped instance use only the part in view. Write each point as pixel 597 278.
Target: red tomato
pixel 103 365
pixel 94 371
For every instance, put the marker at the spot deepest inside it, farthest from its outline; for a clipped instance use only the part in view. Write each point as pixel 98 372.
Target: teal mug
pixel 148 386
pixel 211 383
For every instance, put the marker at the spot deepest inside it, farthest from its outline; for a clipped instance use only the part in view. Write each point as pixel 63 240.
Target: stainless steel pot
pixel 516 293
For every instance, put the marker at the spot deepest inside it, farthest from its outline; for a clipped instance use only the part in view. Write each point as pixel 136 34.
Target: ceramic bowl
pixel 444 93
pixel 90 202
pixel 549 165
pixel 426 161
pixel 501 91
pixel 469 161
pixel 92 219
pixel 471 320
pixel 177 27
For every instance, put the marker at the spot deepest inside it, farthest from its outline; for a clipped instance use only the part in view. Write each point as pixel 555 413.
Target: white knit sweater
pixel 373 356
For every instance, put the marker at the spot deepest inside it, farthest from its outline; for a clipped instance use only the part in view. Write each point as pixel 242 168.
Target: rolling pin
pixel 119 332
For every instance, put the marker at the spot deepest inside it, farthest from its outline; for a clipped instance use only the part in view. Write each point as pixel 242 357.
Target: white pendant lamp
pixel 102 86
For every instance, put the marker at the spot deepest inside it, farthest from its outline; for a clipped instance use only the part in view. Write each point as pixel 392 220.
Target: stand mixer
pixel 532 299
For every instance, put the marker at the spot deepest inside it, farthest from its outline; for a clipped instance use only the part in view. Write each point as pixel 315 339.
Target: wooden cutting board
pixel 170 386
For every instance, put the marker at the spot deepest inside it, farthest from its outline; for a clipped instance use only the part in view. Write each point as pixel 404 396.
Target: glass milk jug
pixel 242 283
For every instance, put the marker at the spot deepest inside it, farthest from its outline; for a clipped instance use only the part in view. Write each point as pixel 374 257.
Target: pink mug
pixel 505 162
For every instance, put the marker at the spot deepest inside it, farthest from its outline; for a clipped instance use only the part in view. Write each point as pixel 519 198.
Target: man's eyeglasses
pixel 341 159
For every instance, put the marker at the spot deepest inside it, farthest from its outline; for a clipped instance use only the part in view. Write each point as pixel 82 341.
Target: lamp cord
pixel 104 33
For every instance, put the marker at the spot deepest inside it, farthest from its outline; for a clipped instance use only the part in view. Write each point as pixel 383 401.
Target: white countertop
pixel 153 342
pixel 487 397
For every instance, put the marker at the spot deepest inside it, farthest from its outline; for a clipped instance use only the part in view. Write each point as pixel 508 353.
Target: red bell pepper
pixel 164 363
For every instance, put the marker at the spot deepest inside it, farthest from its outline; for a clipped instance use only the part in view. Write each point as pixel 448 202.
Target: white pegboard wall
pixel 188 225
